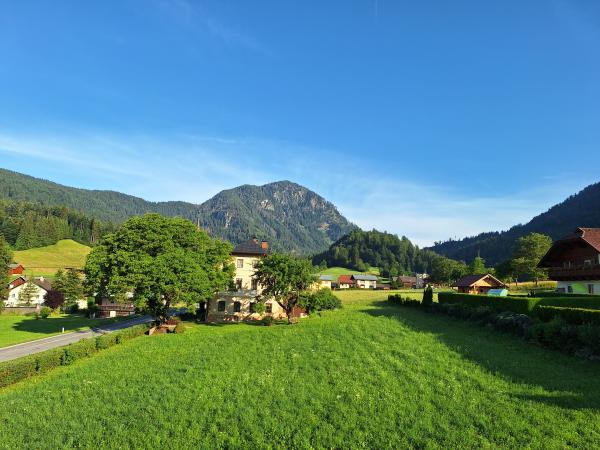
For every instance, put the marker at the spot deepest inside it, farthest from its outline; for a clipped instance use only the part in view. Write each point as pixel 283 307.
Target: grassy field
pixel 18 329
pixel 47 260
pixel 337 271
pixel 371 375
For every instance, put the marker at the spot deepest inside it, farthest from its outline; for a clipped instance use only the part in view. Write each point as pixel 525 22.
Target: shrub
pixel 321 300
pixel 17 370
pixel 106 341
pixel 173 321
pixel 589 335
pixel 522 305
pixel 574 316
pixel 583 302
pixel 513 322
pixel 428 296
pixel 44 312
pixel 48 360
pixel 268 321
pixel 54 299
pixel 179 329
pixel 399 300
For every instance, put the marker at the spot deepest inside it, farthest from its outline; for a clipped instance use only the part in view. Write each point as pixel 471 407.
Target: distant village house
pixel 14 289
pixel 16 269
pixel 478 284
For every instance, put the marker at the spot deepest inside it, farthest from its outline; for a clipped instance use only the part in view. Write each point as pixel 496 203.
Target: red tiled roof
pixel 591 236
pixel 345 279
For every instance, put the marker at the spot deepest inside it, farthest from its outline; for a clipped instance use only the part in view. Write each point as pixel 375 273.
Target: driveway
pixel 40 345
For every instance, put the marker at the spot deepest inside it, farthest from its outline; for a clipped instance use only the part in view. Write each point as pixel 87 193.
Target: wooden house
pixel 574 262
pixel 15 269
pixel 478 284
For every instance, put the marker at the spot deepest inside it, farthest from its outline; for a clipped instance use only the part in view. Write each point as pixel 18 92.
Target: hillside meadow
pixel 47 260
pixel 371 375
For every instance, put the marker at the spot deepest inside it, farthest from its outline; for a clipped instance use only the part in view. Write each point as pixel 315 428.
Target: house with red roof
pixel 574 262
pixel 345 282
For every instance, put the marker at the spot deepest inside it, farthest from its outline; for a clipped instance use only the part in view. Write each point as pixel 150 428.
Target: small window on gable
pixel 269 308
pixel 237 306
pixel 240 263
pixel 221 306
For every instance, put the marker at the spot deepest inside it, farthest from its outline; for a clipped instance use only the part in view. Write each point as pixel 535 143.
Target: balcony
pixel 581 272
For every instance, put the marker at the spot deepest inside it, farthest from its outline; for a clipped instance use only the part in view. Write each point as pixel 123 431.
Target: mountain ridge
pixel 290 216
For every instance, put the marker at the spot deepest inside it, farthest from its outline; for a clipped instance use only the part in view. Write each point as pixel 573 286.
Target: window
pixel 253 307
pixel 255 263
pixel 269 308
pixel 587 263
pixel 237 306
pixel 254 285
pixel 590 288
pixel 570 289
pixel 221 306
pixel 240 263
pixel 238 283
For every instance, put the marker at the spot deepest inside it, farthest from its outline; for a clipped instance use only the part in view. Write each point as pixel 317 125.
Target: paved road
pixel 40 345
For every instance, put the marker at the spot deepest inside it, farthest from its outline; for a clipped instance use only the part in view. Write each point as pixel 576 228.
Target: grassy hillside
pixel 47 260
pixel 369 376
pixel 337 271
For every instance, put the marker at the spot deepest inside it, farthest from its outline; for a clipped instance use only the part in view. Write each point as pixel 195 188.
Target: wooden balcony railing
pixel 578 272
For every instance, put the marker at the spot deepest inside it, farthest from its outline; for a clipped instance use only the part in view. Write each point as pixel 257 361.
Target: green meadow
pixel 47 260
pixel 370 375
pixel 18 329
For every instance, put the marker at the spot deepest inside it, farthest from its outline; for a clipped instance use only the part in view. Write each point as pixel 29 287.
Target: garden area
pixel 369 375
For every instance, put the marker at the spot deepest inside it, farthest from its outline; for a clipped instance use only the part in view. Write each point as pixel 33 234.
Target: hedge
pixel 522 305
pixel 566 301
pixel 29 366
pixel 574 316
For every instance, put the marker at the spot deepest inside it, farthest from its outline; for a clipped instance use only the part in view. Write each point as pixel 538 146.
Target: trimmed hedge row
pixel 522 305
pixel 29 366
pixel 574 316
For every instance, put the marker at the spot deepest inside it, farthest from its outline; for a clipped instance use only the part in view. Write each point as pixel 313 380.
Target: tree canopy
pixel 529 250
pixel 284 278
pixel 159 262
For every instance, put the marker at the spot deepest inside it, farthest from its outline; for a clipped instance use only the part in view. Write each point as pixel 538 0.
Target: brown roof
pixel 404 279
pixel 251 247
pixel 44 284
pixel 590 236
pixel 470 280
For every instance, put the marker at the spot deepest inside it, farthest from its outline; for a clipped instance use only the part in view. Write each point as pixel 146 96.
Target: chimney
pixel 264 245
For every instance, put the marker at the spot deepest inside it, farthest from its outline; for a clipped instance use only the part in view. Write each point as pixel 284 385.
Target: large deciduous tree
pixel 529 250
pixel 284 278
pixel 158 262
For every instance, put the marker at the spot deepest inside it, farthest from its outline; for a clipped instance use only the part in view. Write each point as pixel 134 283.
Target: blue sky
pixel 431 119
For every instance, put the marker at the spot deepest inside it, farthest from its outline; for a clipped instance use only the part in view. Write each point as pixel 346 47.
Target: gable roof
pixel 15 266
pixel 589 236
pixel 44 284
pixel 345 279
pixel 406 279
pixel 326 278
pixel 470 280
pixel 365 277
pixel 250 247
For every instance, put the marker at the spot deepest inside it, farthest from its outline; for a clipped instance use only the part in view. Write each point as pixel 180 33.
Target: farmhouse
pixel 15 269
pixel 14 288
pixel 407 282
pixel 365 281
pixel 325 281
pixel 478 284
pixel 345 282
pixel 240 303
pixel 574 262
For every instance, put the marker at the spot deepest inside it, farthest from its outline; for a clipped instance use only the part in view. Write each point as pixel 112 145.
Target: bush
pixel 589 336
pixel 268 321
pixel 428 296
pixel 54 299
pixel 321 300
pixel 173 321
pixel 513 322
pixel 179 329
pixel 566 301
pixel 17 370
pixel 574 316
pixel 522 305
pixel 44 312
pixel 399 300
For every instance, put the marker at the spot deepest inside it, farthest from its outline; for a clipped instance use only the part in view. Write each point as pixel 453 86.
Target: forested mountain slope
pixel 286 214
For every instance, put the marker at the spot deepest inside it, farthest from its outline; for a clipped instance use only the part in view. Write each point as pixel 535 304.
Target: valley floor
pixel 371 375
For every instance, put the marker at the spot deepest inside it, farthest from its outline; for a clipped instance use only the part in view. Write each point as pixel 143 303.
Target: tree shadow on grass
pixel 52 325
pixel 572 382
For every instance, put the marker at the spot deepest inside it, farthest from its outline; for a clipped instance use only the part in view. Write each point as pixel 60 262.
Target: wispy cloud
pixel 194 168
pixel 197 17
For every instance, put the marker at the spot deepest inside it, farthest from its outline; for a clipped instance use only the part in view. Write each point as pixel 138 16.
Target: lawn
pixel 17 329
pixel 371 375
pixel 47 260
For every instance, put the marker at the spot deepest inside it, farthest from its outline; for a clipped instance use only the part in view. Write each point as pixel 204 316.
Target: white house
pixel 365 281
pixel 14 288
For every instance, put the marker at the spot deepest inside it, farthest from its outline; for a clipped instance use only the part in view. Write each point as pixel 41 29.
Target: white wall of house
pixel 245 266
pixel 579 287
pixel 13 296
pixel 366 284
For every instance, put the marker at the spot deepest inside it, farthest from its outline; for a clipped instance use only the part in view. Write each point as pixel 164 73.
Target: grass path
pixel 19 329
pixel 371 375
